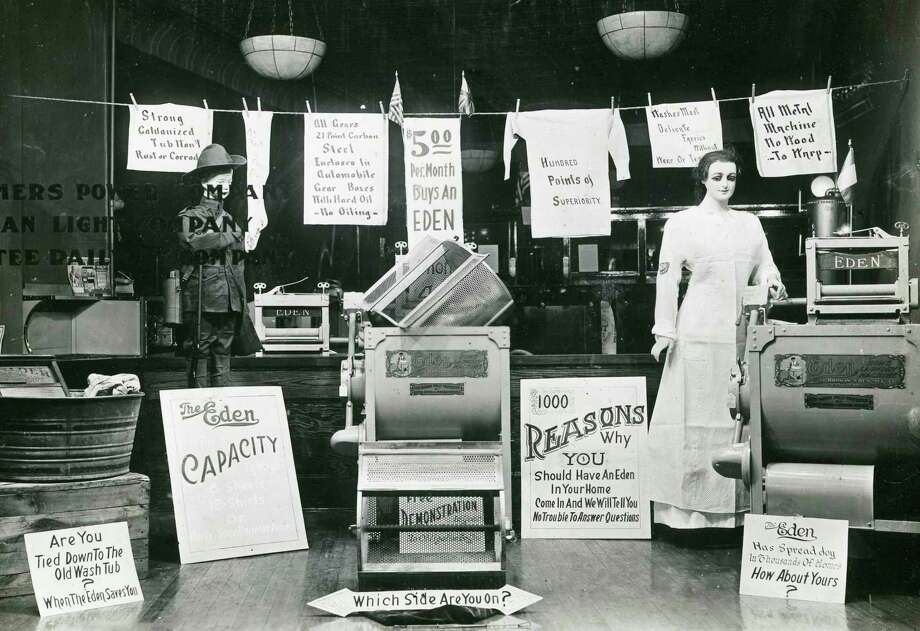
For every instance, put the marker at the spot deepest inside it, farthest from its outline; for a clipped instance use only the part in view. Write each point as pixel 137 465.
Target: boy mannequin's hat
pixel 211 158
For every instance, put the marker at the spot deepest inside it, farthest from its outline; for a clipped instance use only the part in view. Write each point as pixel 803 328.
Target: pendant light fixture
pixel 285 57
pixel 643 29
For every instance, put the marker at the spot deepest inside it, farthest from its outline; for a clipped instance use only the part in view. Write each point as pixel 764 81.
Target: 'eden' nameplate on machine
pixel 886 259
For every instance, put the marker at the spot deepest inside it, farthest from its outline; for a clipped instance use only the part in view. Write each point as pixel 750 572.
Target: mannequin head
pixel 215 183
pixel 717 173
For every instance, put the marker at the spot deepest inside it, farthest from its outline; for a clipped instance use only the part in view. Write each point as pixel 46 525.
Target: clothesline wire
pixel 416 114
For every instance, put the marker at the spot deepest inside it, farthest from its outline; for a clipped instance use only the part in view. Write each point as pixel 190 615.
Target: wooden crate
pixel 34 507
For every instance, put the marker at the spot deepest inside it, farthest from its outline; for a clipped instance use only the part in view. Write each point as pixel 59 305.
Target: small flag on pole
pixel 846 181
pixel 522 188
pixel 465 104
pixel 396 104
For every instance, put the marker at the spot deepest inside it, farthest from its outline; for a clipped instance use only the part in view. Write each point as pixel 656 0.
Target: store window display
pixel 724 250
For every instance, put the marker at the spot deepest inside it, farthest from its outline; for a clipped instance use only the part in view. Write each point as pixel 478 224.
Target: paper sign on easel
pixel 794 557
pixel 582 449
pixel 74 569
pixel 232 472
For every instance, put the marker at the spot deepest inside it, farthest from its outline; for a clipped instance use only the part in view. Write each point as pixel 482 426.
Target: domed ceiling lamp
pixel 285 57
pixel 643 29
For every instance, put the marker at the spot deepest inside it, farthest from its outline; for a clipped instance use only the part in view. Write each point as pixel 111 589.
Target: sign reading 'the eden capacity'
pixel 232 472
pixel 582 444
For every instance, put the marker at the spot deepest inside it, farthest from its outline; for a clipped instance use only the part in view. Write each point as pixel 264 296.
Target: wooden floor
pixel 585 585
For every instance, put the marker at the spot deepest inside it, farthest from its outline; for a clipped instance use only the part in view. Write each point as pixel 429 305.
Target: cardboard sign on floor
pixel 794 557
pixel 582 449
pixel 232 472
pixel 74 569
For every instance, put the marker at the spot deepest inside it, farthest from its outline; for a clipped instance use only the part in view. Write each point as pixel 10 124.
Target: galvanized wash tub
pixel 67 439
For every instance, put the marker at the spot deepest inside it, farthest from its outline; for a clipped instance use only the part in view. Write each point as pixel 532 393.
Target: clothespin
pixel 245 104
pixel 382 111
pixel 649 94
pixel 259 103
pixel 613 104
pixel 753 90
pixel 828 84
pixel 131 94
pixel 713 92
pixel 205 101
pixel 309 109
pixel 850 142
pixel 517 105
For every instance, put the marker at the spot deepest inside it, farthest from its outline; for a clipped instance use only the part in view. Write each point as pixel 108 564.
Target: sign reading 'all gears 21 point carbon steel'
pixel 232 472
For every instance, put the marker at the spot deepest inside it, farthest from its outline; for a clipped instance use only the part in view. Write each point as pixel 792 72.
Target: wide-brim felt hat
pixel 213 157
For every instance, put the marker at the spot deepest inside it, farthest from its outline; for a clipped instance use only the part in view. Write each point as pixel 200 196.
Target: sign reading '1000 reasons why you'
pixel 582 449
pixel 232 472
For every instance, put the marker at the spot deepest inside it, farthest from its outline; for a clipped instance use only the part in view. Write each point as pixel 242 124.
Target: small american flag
pixel 465 104
pixel 396 104
pixel 522 188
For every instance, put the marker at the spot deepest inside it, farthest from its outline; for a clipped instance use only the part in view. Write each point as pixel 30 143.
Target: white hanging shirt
pixel 567 159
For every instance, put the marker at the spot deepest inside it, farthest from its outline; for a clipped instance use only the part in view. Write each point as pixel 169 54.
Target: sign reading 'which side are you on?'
pixel 582 449
pixel 74 569
pixel 794 557
pixel 345 169
pixel 794 132
pixel 232 472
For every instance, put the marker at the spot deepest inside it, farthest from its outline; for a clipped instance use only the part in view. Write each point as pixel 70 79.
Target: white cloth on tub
pixel 123 383
pixel 724 251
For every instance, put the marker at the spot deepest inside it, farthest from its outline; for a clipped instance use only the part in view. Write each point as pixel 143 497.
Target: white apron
pixel 723 251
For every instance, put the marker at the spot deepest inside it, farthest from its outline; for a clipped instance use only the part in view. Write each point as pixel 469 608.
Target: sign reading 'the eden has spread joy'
pixel 582 442
pixel 232 472
pixel 794 557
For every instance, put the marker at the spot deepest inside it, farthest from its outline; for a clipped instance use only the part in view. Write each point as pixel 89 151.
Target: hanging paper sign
pixel 434 181
pixel 567 159
pixel 345 602
pixel 74 569
pixel 345 169
pixel 232 472
pixel 258 149
pixel 794 132
pixel 167 137
pixel 681 133
pixel 794 557
pixel 582 449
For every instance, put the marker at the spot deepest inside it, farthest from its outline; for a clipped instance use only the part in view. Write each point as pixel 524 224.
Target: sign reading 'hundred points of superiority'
pixel 232 472
pixel 582 445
